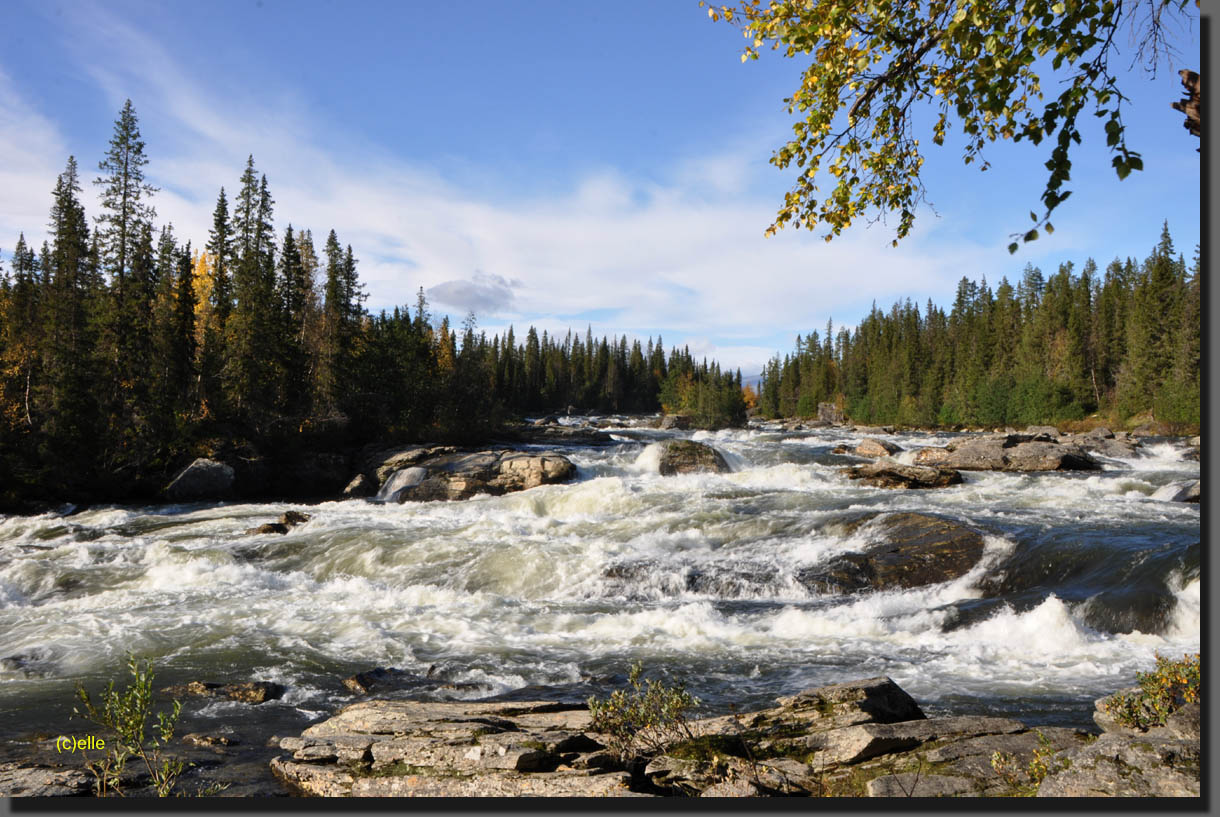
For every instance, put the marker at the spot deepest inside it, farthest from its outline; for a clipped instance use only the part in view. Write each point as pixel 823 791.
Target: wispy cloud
pixel 683 255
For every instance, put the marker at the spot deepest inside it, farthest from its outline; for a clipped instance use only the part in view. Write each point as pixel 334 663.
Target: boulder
pixel 896 475
pixel 680 422
pixel 912 550
pixel 455 476
pixel 1049 431
pixel 248 692
pixel 361 485
pixel 690 457
pixel 202 479
pixel 831 414
pixel 1010 452
pixel 1101 432
pixel 872 447
pixel 1178 492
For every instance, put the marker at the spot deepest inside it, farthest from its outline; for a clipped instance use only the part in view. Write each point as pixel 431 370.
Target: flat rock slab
pixel 1009 452
pixel 914 784
pixel 17 780
pixel 853 744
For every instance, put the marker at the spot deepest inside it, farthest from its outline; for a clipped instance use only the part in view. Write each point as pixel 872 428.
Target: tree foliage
pixel 1019 69
pixel 1049 349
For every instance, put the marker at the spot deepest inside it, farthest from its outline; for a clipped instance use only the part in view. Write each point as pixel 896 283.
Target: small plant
pixel 644 719
pixel 126 714
pixel 1040 765
pixel 1163 691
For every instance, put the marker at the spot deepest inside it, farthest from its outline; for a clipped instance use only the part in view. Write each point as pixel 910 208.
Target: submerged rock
pixel 914 550
pixel 884 474
pixel 202 479
pixel 690 457
pixel 287 521
pixel 248 692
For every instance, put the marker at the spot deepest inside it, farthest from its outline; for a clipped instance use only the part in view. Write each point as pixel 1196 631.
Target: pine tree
pixel 124 196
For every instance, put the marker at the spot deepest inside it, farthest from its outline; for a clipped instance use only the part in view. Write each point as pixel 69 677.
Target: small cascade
pixel 401 480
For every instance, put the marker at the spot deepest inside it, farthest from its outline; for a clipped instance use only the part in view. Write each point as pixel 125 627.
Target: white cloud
pixel 684 255
pixel 34 156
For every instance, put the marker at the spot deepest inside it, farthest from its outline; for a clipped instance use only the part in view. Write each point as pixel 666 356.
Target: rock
pixel 1107 447
pixel 871 447
pixel 852 744
pixel 1049 431
pixel 896 475
pixel 873 429
pixel 1153 429
pixel 1118 765
pixel 913 784
pixel 1011 452
pixel 455 476
pixel 202 479
pixel 1178 492
pixel 733 788
pixel 17 780
pixel 1101 432
pixel 249 692
pixel 384 680
pixel 841 449
pixel 382 465
pixel 689 457
pixel 390 748
pixel 1196 441
pixel 914 550
pixel 286 522
pixel 831 414
pixel 211 739
pixel 362 485
pixel 680 422
pixel 872 700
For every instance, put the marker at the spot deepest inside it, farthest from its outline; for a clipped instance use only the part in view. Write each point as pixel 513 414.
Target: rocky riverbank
pixel 865 738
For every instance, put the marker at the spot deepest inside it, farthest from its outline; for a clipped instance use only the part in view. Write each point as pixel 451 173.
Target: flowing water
pixel 556 591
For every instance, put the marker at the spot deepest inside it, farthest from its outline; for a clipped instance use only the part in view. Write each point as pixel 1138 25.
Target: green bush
pixel 126 714
pixel 644 719
pixel 1162 692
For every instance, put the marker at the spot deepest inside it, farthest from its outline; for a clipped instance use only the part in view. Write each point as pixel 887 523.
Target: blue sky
pixel 557 163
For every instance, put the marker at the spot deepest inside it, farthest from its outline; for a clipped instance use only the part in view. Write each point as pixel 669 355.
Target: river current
pixel 556 591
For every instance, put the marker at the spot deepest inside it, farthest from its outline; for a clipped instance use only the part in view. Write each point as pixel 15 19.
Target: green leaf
pixel 1033 217
pixel 1050 228
pixel 1032 235
pixel 1012 248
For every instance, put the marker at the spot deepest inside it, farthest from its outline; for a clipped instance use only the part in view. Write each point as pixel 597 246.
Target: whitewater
pixel 555 591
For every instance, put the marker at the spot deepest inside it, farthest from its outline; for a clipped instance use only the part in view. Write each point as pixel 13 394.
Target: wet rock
pixel 1049 431
pixel 873 429
pixel 679 422
pixel 460 475
pixel 1195 442
pixel 361 485
pixel 872 447
pixel 211 739
pixel 286 522
pixel 17 780
pixel 249 692
pixel 690 457
pixel 1178 492
pixel 1011 452
pixel 884 474
pixel 914 550
pixel 382 465
pixel 202 479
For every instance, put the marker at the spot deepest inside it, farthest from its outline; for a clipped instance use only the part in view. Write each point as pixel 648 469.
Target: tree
pixel 124 194
pixel 980 64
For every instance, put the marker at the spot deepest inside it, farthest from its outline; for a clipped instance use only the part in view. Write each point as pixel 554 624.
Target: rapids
pixel 555 591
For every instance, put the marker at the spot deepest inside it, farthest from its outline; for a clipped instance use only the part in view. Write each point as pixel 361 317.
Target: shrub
pixel 1162 691
pixel 644 719
pixel 126 714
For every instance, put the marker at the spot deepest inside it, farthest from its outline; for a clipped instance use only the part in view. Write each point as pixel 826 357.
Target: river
pixel 556 591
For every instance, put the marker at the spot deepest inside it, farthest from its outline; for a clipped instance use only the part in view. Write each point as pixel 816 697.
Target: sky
pixel 565 164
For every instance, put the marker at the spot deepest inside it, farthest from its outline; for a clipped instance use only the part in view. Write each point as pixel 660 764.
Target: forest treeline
pixel 125 351
pixel 1121 343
